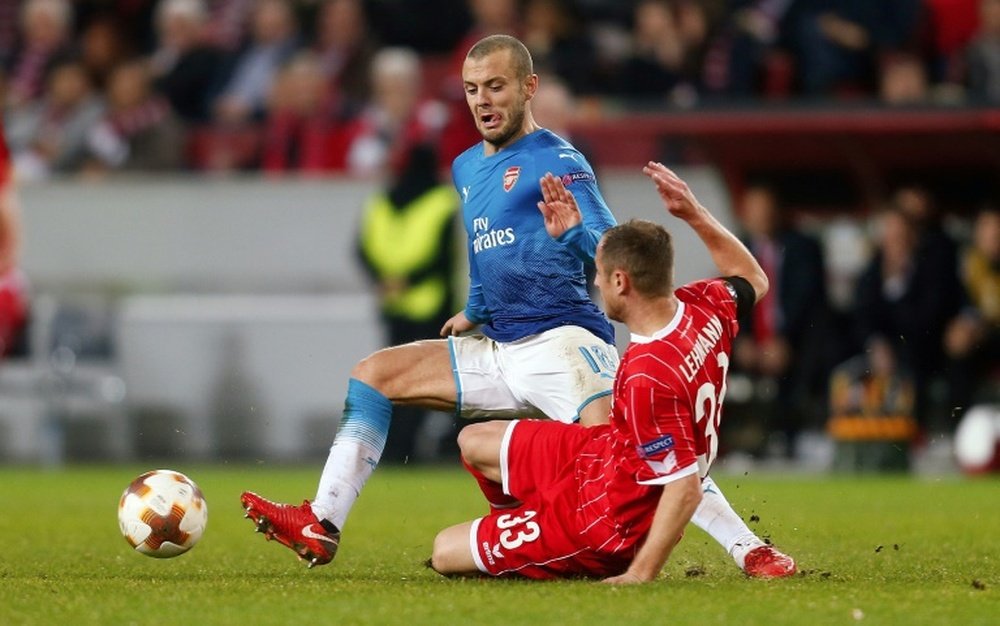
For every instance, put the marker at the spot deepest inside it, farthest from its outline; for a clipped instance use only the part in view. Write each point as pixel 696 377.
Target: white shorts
pixel 554 374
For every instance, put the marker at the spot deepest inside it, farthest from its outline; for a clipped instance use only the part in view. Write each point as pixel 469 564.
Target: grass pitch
pixel 874 550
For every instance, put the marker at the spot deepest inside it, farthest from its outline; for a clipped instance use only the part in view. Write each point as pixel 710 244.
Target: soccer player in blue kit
pixel 546 350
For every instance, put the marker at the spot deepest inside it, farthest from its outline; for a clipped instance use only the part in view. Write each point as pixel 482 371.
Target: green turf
pixel 885 550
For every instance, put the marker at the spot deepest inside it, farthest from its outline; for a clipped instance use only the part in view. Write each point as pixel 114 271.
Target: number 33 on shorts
pixel 517 530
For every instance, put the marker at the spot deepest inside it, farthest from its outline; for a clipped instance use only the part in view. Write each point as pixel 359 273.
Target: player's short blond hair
pixel 519 56
pixel 645 251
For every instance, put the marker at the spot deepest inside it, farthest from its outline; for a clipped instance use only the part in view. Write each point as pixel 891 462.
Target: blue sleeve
pixel 579 178
pixel 582 242
pixel 475 305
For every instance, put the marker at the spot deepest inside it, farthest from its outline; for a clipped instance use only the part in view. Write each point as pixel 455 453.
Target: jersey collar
pixel 517 145
pixel 666 330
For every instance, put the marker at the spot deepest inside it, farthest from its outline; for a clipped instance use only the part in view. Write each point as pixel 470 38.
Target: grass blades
pixel 877 550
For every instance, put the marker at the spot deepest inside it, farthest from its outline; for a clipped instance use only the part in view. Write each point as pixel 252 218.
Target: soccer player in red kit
pixel 612 501
pixel 13 286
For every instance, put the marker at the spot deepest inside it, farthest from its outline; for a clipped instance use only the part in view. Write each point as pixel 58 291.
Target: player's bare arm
pixel 677 504
pixel 731 257
pixel 558 206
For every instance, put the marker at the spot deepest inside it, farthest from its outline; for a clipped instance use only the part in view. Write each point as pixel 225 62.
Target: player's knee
pixel 473 441
pixel 443 559
pixel 439 560
pixel 371 371
pixel 480 446
pixel 467 440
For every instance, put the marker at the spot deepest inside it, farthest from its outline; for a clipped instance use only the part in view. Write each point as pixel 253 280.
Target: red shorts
pixel 13 308
pixel 547 536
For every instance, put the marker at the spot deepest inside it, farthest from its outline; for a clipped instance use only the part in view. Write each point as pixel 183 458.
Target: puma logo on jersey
pixel 465 193
pixel 567 155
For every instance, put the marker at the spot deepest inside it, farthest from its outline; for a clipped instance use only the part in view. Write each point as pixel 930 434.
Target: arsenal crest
pixel 510 177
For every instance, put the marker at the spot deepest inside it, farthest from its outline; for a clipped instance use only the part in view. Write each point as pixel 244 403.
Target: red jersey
pixel 588 495
pixel 665 412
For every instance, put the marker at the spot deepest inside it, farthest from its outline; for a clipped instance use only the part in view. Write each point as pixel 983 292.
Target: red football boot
pixel 293 526
pixel 768 562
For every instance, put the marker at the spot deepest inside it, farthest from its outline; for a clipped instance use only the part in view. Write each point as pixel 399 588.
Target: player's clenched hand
pixel 558 206
pixel 676 194
pixel 457 325
pixel 627 578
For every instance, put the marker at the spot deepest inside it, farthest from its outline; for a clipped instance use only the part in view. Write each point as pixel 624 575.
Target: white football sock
pixel 347 468
pixel 355 452
pixel 717 518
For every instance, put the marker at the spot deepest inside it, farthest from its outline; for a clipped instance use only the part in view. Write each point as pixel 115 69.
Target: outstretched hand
pixel 558 206
pixel 676 194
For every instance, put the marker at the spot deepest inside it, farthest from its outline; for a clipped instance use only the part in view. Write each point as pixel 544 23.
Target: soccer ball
pixel 977 440
pixel 162 514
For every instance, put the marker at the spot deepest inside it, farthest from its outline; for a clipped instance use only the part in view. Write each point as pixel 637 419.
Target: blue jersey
pixel 522 281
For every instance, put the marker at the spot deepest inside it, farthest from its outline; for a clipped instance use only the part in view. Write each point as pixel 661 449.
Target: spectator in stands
pixel 903 80
pixel 407 245
pixel 936 249
pixel 654 65
pixel 132 20
pixel 50 136
pixel 738 51
pixel 139 130
pixel 488 17
pixel 396 115
pixel 839 41
pixel 45 36
pixel 983 55
pixel 299 118
pixel 103 47
pixel 973 338
pixel 949 26
pixel 555 108
pixel 900 299
pixel 185 69
pixel 346 47
pixel 557 37
pixel 781 342
pixel 228 23
pixel 429 27
pixel 9 10
pixel 274 40
pixel 13 285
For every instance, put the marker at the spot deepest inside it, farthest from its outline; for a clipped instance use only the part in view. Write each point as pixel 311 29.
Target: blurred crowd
pixel 92 86
pixel 896 334
pixel 897 352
